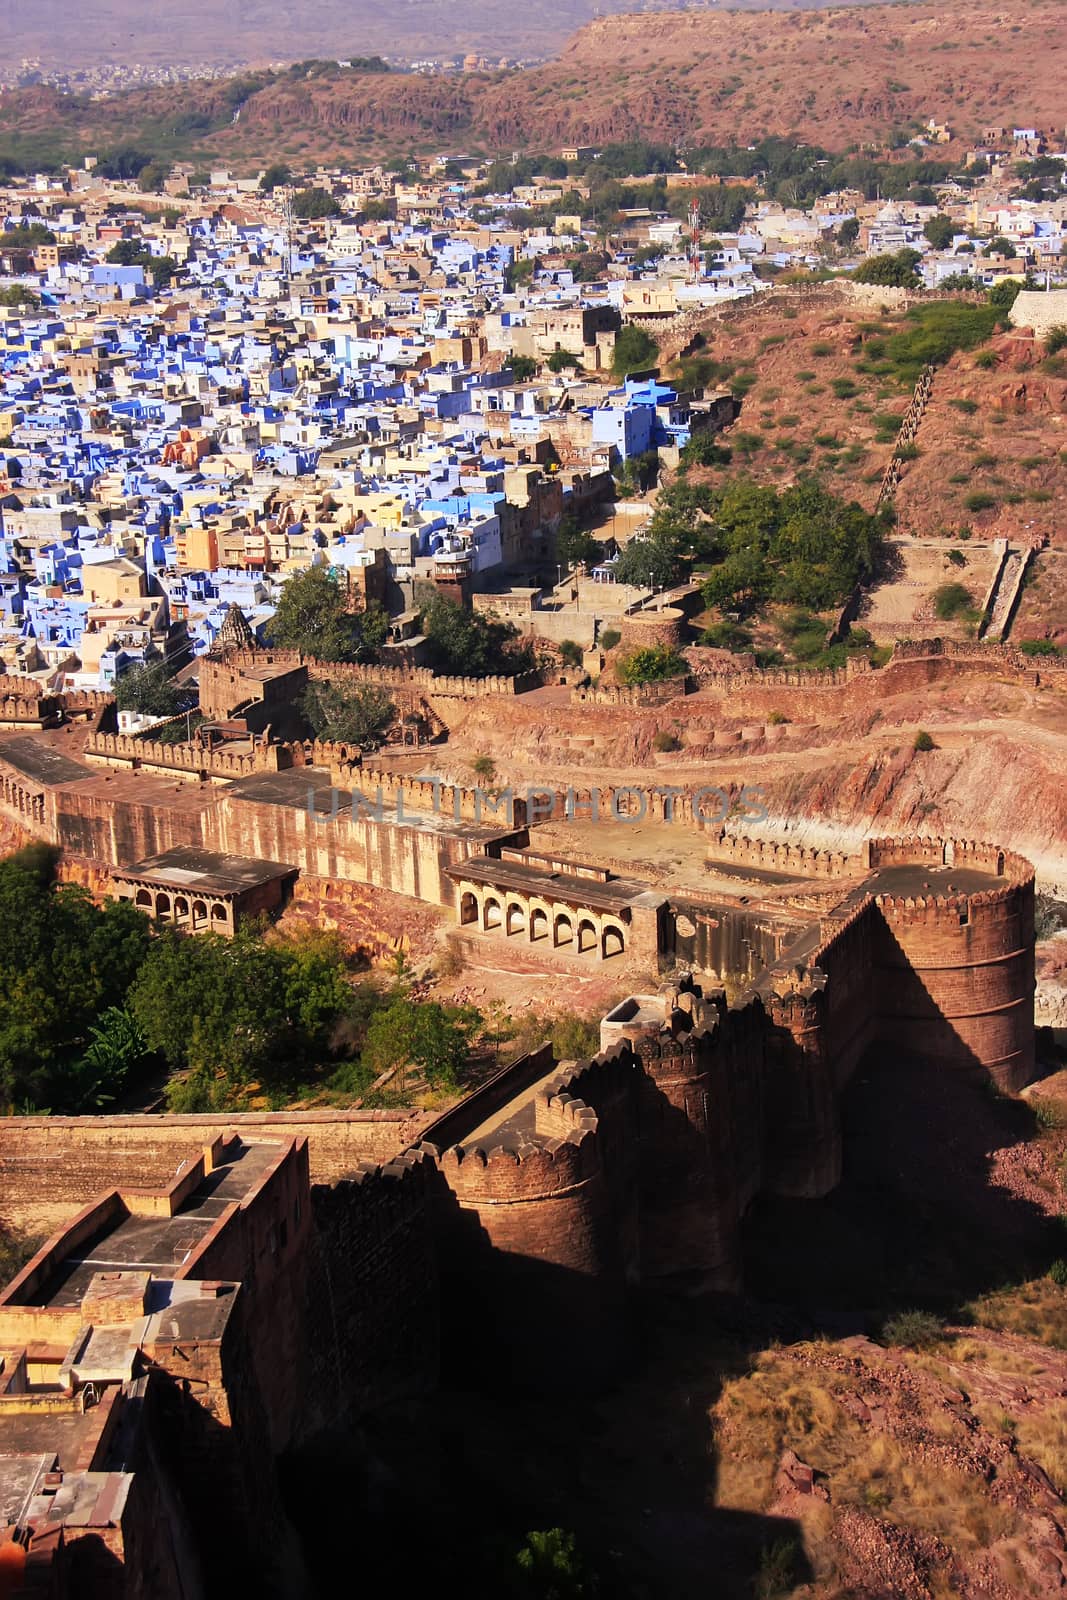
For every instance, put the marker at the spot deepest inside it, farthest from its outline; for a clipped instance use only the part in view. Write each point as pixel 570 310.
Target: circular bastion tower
pixel 955 956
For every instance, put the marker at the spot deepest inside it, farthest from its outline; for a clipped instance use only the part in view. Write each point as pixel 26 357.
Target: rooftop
pixel 205 871
pixel 158 1244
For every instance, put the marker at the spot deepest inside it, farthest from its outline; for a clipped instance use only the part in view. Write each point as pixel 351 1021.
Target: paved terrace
pixel 159 1245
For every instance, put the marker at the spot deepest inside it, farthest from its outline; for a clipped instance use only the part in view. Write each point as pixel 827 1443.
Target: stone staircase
pixel 1001 602
pixel 909 427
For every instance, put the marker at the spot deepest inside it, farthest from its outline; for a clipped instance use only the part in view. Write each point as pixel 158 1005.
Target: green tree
pixel 151 691
pixel 469 645
pixel 311 204
pixel 26 236
pixel 431 1037
pixel 575 544
pixel 63 962
pixel 1004 294
pixel 848 233
pixel 16 295
pixel 635 349
pixel 940 231
pixel 150 179
pixel 274 177
pixel 313 617
pixel 650 665
pixel 117 1048
pixel 522 368
pixel 551 1567
pixel 649 563
pixel 359 714
pixel 233 1012
pixel 560 360
pixel 896 271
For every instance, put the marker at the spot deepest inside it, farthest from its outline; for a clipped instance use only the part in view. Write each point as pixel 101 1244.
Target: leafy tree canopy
pixel 63 962
pixel 802 545
pixel 434 1038
pixel 311 204
pixel 634 350
pixel 151 692
pixel 896 271
pixel 469 645
pixel 650 665
pixel 359 714
pixel 313 617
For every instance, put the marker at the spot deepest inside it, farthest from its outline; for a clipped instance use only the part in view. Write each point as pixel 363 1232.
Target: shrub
pixel 843 388
pixel 609 638
pixel 821 348
pixel 1039 647
pixel 980 500
pixel 726 636
pixel 912 1328
pixel 951 600
pixel 968 407
pixel 907 452
pixel 1058 1273
pixel 1055 340
pixel 650 665
pixel 664 741
pixel 986 359
pixel 570 653
pixel 923 741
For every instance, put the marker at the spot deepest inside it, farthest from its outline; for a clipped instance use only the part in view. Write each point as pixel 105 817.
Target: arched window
pixel 564 931
pixel 468 908
pixel 516 918
pixel 587 936
pixel 144 898
pixel 538 925
pixel 493 915
pixel 614 942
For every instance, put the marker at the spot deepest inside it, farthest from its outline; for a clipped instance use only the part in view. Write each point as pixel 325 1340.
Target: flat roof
pixel 524 879
pixel 41 762
pixel 938 881
pixel 208 871
pixel 302 788
pixel 159 1245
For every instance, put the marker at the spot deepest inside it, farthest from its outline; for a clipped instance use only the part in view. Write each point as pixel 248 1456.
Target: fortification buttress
pixel 690 1206
pixel 803 1131
pixel 955 972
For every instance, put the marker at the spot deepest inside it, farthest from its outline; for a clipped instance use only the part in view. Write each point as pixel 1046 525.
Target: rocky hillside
pixel 192 31
pixel 838 77
pixel 824 381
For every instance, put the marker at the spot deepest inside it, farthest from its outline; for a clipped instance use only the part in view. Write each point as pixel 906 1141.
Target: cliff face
pixel 989 787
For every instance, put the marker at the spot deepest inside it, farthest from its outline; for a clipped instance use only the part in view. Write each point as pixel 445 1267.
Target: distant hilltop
pixel 840 78
pixel 189 32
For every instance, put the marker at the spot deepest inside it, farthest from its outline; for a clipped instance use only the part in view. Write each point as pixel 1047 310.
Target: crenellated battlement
pixel 535 1168
pixel 781 856
pixel 399 679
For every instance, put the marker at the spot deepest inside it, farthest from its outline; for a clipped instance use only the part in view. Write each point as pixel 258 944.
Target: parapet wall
pixel 398 678
pixel 414 794
pixel 52 1166
pixel 635 694
pixel 779 856
pixel 130 749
